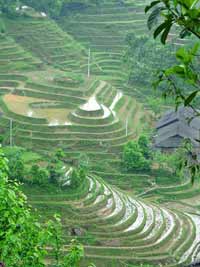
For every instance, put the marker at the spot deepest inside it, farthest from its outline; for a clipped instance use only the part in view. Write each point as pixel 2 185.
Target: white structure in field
pixel 43 14
pixel 91 105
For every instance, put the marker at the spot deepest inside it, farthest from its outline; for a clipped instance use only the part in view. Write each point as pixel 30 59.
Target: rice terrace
pixel 108 164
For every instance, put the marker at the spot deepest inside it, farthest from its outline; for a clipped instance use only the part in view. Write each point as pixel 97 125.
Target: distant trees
pixel 136 155
pixel 8 6
pixel 51 7
pixel 39 176
pixel 2 31
pixel 54 7
pixel 155 104
pixel 144 145
pixel 56 172
pixel 143 61
pixel 77 177
pixel 52 170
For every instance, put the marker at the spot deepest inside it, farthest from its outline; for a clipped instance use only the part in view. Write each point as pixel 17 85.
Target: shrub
pixel 77 177
pixel 16 164
pixel 22 237
pixel 143 143
pixel 60 154
pixel 40 176
pixel 133 158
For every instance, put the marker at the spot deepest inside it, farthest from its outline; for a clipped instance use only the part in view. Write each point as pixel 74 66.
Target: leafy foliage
pixel 143 143
pixel 184 75
pixel 16 164
pixel 23 240
pixel 60 154
pixel 55 8
pixel 51 7
pixel 133 157
pixel 22 237
pixel 78 176
pixel 180 81
pixel 178 163
pixel 141 58
pixel 9 6
pixel 185 13
pixel 39 176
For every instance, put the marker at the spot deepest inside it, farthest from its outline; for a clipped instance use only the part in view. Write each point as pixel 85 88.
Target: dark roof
pixel 177 125
pixel 184 114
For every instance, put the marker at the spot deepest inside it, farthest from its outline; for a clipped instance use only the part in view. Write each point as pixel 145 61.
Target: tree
pixel 144 145
pixel 55 173
pixel 51 7
pixel 22 237
pixel 155 103
pixel 8 7
pixel 75 251
pixel 78 176
pixel 39 176
pixel 133 158
pixel 185 13
pixel 2 31
pixel 75 254
pixel 83 162
pixel 60 154
pixel 181 81
pixel 56 167
pixel 16 165
pixel 141 58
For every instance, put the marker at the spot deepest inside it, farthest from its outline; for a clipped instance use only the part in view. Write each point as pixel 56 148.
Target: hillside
pixel 48 103
pixel 118 229
pixel 55 94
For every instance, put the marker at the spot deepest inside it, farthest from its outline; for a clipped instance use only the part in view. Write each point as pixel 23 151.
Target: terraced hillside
pixel 104 30
pixel 44 109
pixel 184 196
pixel 118 229
pixel 67 114
pixel 15 58
pixel 43 38
pixel 48 101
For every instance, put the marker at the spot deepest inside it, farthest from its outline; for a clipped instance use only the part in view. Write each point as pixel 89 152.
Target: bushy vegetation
pixel 141 58
pixel 180 81
pixel 8 6
pixel 136 155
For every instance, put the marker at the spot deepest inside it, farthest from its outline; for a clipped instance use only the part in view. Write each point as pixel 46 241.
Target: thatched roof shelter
pixel 175 126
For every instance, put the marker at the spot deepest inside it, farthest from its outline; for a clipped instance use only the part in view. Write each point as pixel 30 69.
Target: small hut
pixel 175 127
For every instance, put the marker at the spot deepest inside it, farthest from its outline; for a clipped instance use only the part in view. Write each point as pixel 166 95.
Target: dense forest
pixel 100 133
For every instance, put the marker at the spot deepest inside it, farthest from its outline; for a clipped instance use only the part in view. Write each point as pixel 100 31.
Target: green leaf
pixel 189 99
pixel 184 33
pixel 147 8
pixel 195 49
pixel 183 55
pixel 160 29
pixel 152 19
pixel 178 69
pixel 166 32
